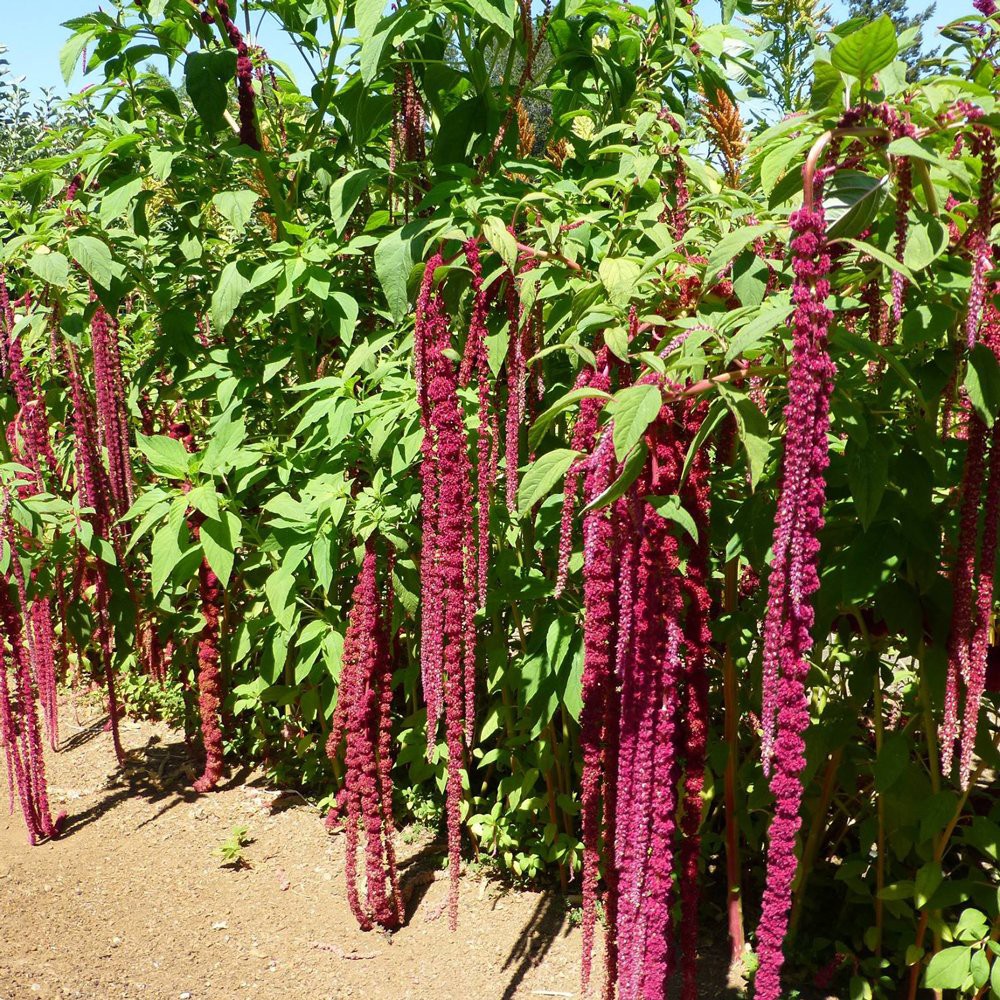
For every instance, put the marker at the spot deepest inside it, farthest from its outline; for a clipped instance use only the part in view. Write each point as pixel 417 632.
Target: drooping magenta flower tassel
pixel 361 720
pixel 596 731
pixel 244 75
pixel 448 557
pixel 794 578
pixel 112 419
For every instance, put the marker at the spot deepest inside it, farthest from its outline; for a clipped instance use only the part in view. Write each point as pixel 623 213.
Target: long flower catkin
pixel 794 579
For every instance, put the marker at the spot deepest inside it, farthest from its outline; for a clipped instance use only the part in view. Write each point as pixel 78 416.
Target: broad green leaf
pixel 344 195
pixel 752 428
pixel 729 246
pixel 571 398
pixel 227 437
pixel 867 475
pixel 393 263
pixel 161 162
pixel 168 546
pixel 501 241
pixel 948 968
pixel 93 256
pixel 117 198
pixel 278 588
pixel 207 74
pixel 929 877
pixel 219 541
pixel 205 499
pixel 672 509
pixel 619 276
pixel 982 381
pixel 827 86
pixel 236 207
pixel 905 146
pixel 50 266
pixel 231 289
pixel 883 258
pixel 924 244
pixel 851 200
pixel 779 160
pixel 166 456
pixel 367 14
pixel 633 410
pixel 865 51
pixel 542 475
pixel 70 53
pixel 499 12
pixel 753 333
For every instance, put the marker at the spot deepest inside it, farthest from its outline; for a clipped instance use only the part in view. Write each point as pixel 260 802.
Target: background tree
pixel 787 32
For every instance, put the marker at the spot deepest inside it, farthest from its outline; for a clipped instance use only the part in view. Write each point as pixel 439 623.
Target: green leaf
pixel 980 968
pixel 729 246
pixel 227 437
pixel 777 162
pixel 633 410
pixel 498 12
pixel 367 14
pixel 827 86
pixel 69 54
pixel 929 877
pixel 673 509
pixel 205 499
pixel 754 332
pixel 883 258
pixel 344 195
pixel 168 546
pixel 542 475
pixel 906 146
pixel 867 475
pixel 948 968
pixel 161 162
pixel 393 263
pixel 752 427
pixel 118 197
pixel 207 74
pixel 864 52
pixel 995 977
pixel 166 456
pixel 236 207
pixel 93 256
pixel 231 289
pixel 892 761
pixel 851 200
pixel 501 241
pixel 982 382
pixel 219 541
pixel 924 244
pixel 619 276
pixel 51 267
pixel 571 398
pixel 278 588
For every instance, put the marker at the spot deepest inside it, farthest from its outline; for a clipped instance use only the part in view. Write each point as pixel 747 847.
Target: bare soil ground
pixel 133 901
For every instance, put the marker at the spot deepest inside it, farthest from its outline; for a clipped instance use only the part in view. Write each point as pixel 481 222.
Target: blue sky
pixel 33 35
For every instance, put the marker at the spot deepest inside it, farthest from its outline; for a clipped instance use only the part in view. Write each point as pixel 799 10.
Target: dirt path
pixel 132 902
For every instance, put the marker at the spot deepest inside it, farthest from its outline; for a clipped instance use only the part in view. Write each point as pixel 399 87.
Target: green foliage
pixel 266 301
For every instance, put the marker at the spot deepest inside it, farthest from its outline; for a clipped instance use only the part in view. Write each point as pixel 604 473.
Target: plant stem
pixel 734 899
pixel 880 808
pixel 814 839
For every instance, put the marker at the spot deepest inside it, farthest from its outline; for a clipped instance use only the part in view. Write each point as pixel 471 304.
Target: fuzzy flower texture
pixel 362 722
pixel 793 581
